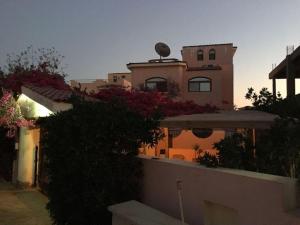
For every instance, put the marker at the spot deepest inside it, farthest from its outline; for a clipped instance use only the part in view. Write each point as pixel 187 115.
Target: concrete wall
pixel 219 196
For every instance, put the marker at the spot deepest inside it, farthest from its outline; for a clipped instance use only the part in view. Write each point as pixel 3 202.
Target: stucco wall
pixel 171 73
pixel 29 138
pixel 219 196
pixel 224 54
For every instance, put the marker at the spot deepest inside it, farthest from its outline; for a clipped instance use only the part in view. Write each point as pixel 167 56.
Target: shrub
pixel 7 154
pixel 278 150
pixel 208 160
pixel 236 151
pixel 91 159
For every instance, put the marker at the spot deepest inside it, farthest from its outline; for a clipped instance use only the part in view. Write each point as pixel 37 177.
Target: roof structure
pixel 223 119
pixel 56 95
pixel 51 93
pixel 192 46
pixel 280 71
pixel 53 99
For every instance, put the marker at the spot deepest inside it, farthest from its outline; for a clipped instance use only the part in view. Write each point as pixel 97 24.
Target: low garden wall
pixel 218 196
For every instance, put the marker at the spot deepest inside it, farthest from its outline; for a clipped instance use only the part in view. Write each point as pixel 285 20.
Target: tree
pixel 92 159
pixel 236 151
pixel 42 67
pixel 264 100
pixel 278 150
pixel 46 60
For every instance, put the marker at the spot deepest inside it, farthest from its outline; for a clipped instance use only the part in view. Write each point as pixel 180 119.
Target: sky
pixel 101 36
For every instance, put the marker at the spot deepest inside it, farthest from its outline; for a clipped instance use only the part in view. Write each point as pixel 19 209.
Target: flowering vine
pixel 10 115
pixel 146 103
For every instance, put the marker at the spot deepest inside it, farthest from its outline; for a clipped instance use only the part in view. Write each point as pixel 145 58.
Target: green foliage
pixel 278 151
pixel 264 100
pixel 208 160
pixel 91 159
pixel 6 154
pixel 236 151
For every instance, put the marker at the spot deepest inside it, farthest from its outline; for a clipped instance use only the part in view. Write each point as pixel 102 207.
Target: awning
pixel 223 119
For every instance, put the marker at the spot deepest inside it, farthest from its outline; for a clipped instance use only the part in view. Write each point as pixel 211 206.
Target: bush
pixel 91 159
pixel 208 160
pixel 278 151
pixel 7 154
pixel 236 151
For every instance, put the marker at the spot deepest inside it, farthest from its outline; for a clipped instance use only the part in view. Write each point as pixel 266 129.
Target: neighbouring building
pixel 203 75
pixel 120 79
pixel 35 102
pixel 94 85
pixel 89 85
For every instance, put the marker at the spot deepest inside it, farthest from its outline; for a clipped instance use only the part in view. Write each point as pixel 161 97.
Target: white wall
pixel 219 196
pixel 29 138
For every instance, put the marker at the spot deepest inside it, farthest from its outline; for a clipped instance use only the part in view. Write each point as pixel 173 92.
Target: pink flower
pixel 10 115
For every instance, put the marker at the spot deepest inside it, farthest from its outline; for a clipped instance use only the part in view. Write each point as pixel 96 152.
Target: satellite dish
pixel 162 49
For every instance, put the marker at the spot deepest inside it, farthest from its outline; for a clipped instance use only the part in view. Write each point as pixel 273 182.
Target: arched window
pixel 199 84
pixel 212 54
pixel 157 84
pixel 200 55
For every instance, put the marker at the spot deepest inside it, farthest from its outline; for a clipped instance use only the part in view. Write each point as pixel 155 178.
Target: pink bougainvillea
pixel 10 115
pixel 14 81
pixel 147 102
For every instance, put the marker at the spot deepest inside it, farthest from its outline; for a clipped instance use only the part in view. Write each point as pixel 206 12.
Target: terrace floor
pixel 18 206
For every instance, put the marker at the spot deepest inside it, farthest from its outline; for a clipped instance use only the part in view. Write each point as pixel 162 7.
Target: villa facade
pixel 203 75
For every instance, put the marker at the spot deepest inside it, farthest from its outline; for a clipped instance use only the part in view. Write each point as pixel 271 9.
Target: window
pixel 157 84
pixel 212 54
pixel 202 132
pixel 115 78
pixel 200 56
pixel 199 84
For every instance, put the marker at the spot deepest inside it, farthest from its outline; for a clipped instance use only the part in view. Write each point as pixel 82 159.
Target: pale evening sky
pixel 101 36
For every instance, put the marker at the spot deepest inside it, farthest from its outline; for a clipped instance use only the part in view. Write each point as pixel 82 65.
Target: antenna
pixel 290 49
pixel 162 49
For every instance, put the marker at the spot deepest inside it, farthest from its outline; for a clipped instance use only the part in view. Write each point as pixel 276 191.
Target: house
pixel 35 102
pixel 89 85
pixel 203 75
pixel 94 85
